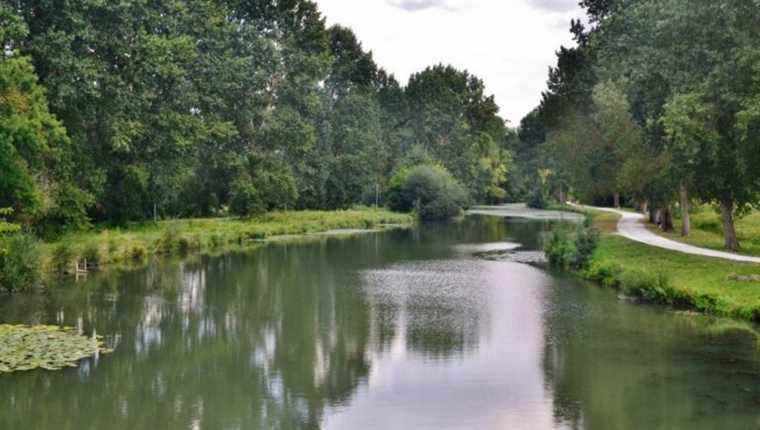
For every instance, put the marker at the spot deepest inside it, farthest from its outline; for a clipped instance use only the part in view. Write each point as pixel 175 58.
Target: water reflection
pixel 396 330
pixel 613 364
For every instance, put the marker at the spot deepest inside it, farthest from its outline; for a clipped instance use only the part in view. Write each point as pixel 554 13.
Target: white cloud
pixel 509 44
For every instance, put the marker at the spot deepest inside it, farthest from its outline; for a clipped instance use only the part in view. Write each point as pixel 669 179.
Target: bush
pixel 169 239
pixel 273 179
pixel 184 245
pixel 113 248
pixel 68 212
pixel 138 253
pixel 607 275
pixel 571 249
pixel 19 262
pixel 538 199
pixel 92 255
pixel 654 287
pixel 216 240
pixel 63 257
pixel 245 201
pixel 430 190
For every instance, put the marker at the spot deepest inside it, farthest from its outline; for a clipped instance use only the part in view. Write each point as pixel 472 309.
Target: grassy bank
pixel 662 276
pixel 138 243
pixel 707 230
pixel 657 275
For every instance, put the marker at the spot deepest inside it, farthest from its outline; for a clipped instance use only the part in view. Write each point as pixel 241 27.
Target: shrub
pixel 538 199
pixel 216 240
pixel 91 253
pixel 430 190
pixel 245 200
pixel 184 245
pixel 67 213
pixel 113 248
pixel 169 239
pixel 571 249
pixel 19 262
pixel 607 274
pixel 654 287
pixel 63 257
pixel 138 253
pixel 559 248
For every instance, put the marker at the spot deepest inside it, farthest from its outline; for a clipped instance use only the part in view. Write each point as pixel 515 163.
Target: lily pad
pixel 24 347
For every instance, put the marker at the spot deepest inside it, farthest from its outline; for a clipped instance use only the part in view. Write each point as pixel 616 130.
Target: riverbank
pixel 709 285
pixel 136 244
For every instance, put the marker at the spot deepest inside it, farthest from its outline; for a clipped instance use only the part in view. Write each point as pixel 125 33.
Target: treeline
pixel 658 105
pixel 130 110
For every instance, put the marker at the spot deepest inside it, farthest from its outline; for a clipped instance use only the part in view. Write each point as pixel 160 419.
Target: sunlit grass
pixel 707 230
pixel 137 242
pixel 698 282
pixel 664 276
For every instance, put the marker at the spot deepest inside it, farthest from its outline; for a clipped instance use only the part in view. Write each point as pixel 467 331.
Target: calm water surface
pixel 399 330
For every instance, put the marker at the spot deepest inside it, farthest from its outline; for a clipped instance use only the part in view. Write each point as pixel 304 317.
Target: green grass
pixel 669 277
pixel 662 276
pixel 139 242
pixel 707 230
pixel 673 278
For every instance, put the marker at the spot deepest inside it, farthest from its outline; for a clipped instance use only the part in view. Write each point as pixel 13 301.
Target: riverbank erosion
pixel 136 244
pixel 709 285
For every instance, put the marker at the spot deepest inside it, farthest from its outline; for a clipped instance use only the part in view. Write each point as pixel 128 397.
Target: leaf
pixel 25 347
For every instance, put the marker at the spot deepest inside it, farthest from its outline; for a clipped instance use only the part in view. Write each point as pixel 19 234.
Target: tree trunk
pixel 562 198
pixel 729 229
pixel 654 215
pixel 616 198
pixel 666 219
pixel 645 209
pixel 685 217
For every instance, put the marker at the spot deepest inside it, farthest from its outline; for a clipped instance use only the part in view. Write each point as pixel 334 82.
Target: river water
pixel 395 330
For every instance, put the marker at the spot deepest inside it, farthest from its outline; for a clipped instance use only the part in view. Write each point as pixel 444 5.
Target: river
pixel 404 329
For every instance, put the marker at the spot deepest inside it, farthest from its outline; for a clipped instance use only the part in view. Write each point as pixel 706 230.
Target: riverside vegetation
pixel 203 111
pixel 627 118
pixel 136 244
pixel 713 286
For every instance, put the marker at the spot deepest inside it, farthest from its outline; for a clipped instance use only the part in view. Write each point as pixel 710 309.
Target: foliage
pixel 5 226
pixel 91 254
pixel 25 348
pixel 569 248
pixel 245 201
pixel 430 190
pixel 63 257
pixel 19 262
pixel 673 278
pixel 190 108
pixel 538 199
pixel 33 143
pixel 139 242
pixel 626 112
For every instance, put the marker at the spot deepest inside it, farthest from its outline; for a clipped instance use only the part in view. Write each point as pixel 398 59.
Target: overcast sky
pixel 508 43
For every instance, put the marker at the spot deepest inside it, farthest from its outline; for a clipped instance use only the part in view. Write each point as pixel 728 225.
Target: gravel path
pixel 631 226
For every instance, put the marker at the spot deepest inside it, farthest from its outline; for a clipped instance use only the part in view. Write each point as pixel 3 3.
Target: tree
pixel 645 43
pixel 453 119
pixel 35 152
pixel 430 190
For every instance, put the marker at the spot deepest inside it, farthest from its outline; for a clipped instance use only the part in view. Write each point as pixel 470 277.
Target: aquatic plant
pixel 24 347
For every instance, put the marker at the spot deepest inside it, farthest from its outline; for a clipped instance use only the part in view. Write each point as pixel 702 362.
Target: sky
pixel 510 44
